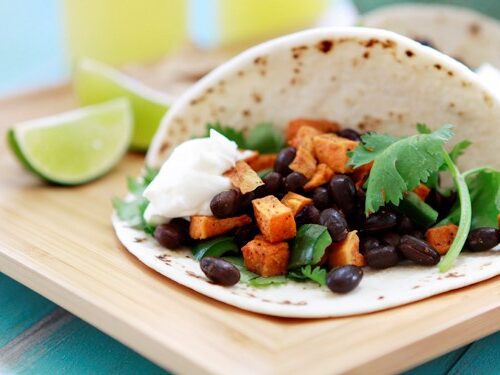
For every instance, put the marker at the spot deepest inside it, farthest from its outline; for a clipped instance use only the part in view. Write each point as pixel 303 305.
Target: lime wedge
pixel 95 82
pixel 77 146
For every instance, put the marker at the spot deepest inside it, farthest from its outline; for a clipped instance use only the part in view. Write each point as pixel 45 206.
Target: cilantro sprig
pixel 131 210
pixel 400 164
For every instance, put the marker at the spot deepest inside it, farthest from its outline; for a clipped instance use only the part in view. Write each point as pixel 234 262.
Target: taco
pixel 294 170
pixel 462 33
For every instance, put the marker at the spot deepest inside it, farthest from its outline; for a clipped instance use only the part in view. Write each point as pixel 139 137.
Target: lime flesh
pixel 95 82
pixel 76 146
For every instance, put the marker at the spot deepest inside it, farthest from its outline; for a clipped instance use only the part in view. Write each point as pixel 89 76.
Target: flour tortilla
pixel 363 78
pixel 459 32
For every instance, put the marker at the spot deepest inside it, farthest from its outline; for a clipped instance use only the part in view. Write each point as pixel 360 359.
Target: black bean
pixel 381 221
pixel 418 251
pixel 343 192
pixel 320 198
pixel 226 204
pixel 405 225
pixel 391 238
pixel 482 239
pixel 245 234
pixel 367 243
pixel 382 257
pixel 295 181
pixel 349 134
pixel 309 215
pixel 169 236
pixel 442 204
pixel 418 233
pixel 283 160
pixel 344 279
pixel 181 224
pixel 335 222
pixel 220 271
pixel 273 183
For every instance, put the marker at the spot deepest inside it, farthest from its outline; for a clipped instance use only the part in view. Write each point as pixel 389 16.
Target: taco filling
pixel 316 202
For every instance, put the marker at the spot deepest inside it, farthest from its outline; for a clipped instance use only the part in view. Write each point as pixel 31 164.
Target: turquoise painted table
pixel 37 336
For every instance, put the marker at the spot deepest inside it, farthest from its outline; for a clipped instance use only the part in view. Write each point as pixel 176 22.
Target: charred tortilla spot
pixel 388 44
pixel 246 113
pixel 260 60
pixel 325 46
pixel 474 29
pixel 370 43
pixel 380 297
pixel 257 97
pixel 450 73
pixel 437 66
pixel 451 105
pixel 409 53
pixel 297 51
pixel 241 73
pixel 366 55
pixel 296 70
pixel 488 100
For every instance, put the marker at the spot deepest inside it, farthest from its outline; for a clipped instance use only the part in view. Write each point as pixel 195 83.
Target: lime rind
pixel 77 146
pixel 95 82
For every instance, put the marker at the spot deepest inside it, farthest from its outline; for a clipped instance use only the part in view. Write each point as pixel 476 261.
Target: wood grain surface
pixel 59 242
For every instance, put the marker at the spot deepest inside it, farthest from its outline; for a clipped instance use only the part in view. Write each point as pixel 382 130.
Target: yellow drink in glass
pixel 121 31
pixel 249 20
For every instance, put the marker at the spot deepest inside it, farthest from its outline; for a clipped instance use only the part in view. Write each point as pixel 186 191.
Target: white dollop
pixel 190 178
pixel 490 77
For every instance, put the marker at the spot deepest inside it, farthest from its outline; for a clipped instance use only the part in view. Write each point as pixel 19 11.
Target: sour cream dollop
pixel 190 178
pixel 490 77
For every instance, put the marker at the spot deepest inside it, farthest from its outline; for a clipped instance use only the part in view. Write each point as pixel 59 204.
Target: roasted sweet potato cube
pixel 441 238
pixel 266 258
pixel 274 219
pixel 304 162
pixel 295 202
pixel 360 174
pixel 304 137
pixel 324 126
pixel 261 162
pixel 422 191
pixel 244 177
pixel 346 252
pixel 321 176
pixel 332 151
pixel 202 227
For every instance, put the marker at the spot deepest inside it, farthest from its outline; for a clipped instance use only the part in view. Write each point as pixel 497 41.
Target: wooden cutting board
pixel 59 242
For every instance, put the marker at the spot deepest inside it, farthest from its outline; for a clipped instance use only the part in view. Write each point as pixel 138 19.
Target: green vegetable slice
pixel 400 164
pixel 245 275
pixel 260 281
pixel 309 245
pixel 417 210
pixel 265 139
pixel 214 247
pixel 484 189
pixel 465 216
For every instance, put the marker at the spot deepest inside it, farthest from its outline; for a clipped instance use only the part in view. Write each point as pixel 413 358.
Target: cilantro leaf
pixel 316 274
pixel 459 149
pixel 265 139
pixel 400 164
pixel 228 132
pixel 484 189
pixel 423 129
pixel 132 210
